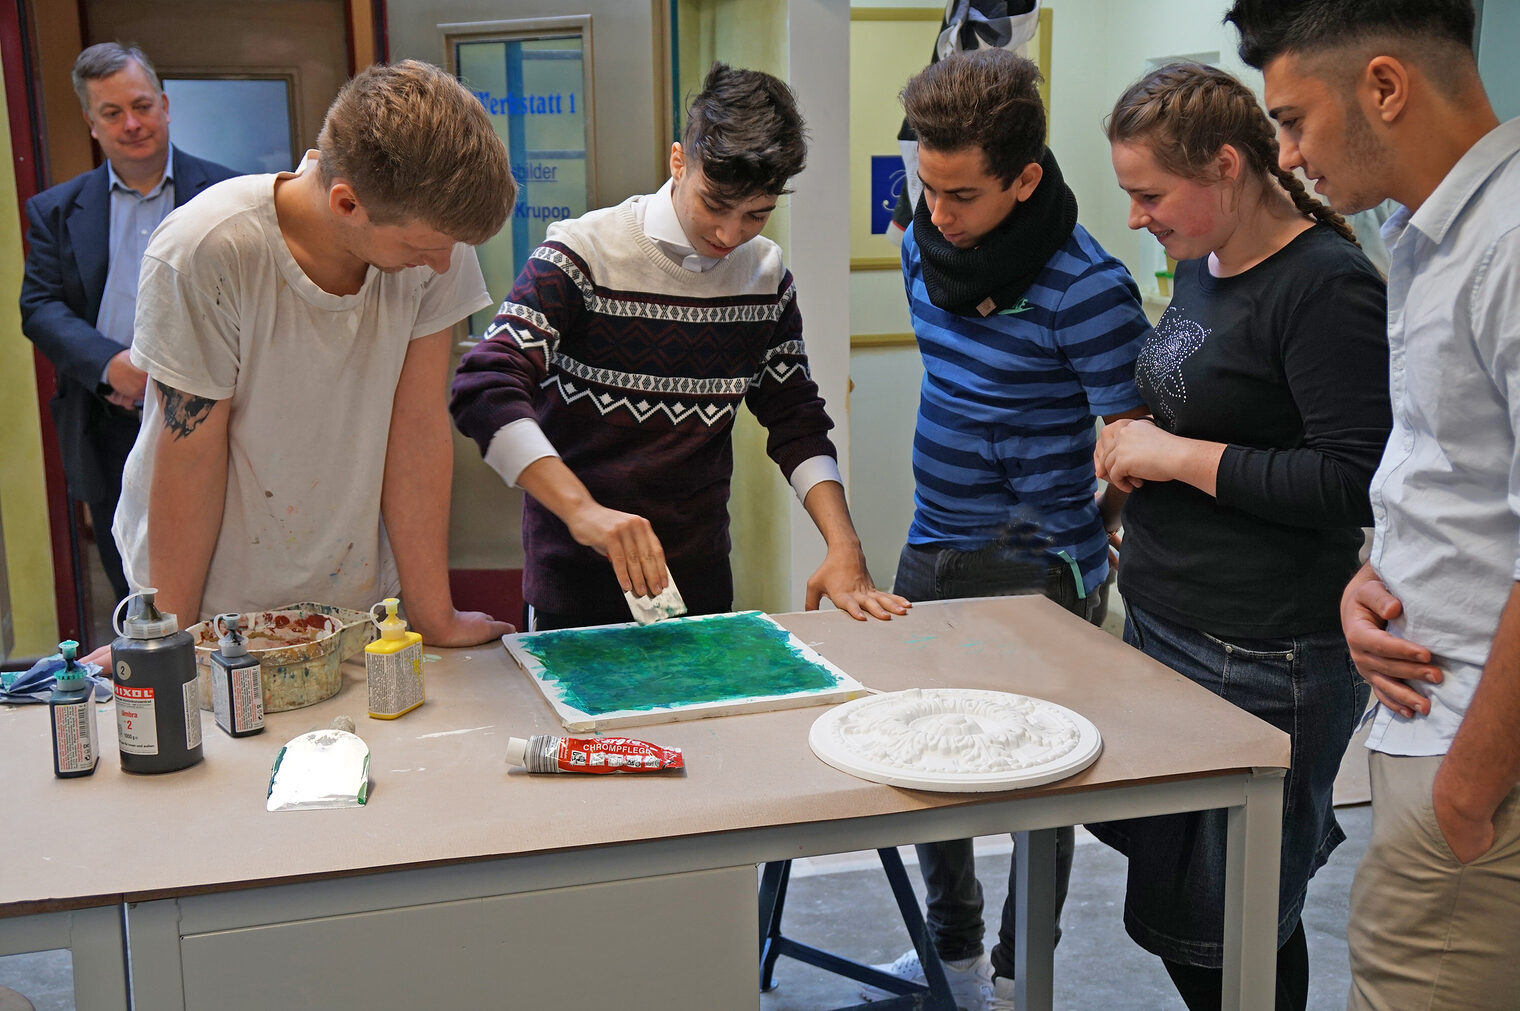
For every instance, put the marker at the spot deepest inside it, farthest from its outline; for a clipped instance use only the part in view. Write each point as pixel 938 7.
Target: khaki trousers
pixel 1427 932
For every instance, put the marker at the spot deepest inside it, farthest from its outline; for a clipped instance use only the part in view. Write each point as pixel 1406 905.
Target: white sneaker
pixel 1002 995
pixel 970 979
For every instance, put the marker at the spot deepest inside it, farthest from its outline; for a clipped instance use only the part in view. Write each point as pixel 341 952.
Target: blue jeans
pixel 953 896
pixel 1303 685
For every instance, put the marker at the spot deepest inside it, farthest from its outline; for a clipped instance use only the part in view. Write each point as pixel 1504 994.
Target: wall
pixel 23 503
pixel 628 73
pixel 1498 41
pixel 306 38
pixel 818 32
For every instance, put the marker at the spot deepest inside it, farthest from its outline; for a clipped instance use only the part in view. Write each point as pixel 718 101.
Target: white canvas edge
pixel 578 720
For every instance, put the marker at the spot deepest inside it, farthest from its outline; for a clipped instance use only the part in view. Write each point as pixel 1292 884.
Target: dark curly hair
pixel 987 98
pixel 1438 33
pixel 744 130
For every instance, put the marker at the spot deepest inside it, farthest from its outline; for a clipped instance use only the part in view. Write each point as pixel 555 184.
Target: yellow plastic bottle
pixel 393 665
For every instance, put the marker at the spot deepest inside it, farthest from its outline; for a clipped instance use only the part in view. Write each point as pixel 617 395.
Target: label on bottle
pixel 395 681
pixel 137 720
pixel 192 693
pixel 72 725
pixel 248 690
pixel 237 697
pixel 221 697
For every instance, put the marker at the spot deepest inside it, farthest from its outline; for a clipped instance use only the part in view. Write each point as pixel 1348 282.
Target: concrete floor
pixel 843 904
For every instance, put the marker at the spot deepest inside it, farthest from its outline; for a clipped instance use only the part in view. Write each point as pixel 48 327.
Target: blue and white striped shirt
pixel 1005 430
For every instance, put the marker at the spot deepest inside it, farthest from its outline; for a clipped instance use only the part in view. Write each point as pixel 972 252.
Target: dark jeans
pixel 953 896
pixel 1303 685
pixel 102 516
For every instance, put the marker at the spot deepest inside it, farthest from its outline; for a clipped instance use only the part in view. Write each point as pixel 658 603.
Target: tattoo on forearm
pixel 182 412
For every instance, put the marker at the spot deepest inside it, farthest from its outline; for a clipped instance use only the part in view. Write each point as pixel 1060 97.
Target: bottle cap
pixel 392 626
pixel 73 677
pixel 517 751
pixel 230 641
pixel 147 621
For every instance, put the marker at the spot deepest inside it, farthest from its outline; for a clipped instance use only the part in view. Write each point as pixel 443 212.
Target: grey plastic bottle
pixel 158 703
pixel 237 687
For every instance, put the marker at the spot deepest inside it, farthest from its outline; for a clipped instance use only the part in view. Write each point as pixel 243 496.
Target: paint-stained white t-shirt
pixel 225 312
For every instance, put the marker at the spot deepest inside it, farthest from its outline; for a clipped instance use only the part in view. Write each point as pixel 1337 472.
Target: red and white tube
pixel 548 753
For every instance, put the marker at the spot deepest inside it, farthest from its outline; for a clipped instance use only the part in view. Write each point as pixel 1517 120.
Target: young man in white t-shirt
pixel 296 328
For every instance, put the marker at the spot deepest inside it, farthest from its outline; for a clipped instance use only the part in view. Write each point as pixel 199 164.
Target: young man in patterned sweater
pixel 608 384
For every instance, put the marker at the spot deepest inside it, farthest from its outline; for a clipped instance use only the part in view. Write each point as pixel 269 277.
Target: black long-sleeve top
pixel 1287 364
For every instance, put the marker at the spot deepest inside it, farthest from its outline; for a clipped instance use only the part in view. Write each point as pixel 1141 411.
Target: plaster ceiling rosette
pixel 955 740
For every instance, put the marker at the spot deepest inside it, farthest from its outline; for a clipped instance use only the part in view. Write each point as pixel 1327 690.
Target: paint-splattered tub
pixel 300 648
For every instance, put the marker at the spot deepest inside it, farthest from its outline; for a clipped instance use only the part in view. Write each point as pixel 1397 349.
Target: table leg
pixel 94 939
pixel 1034 856
pixel 156 963
pixel 772 900
pixel 1250 904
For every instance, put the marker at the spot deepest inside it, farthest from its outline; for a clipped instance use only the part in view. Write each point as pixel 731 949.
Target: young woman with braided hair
pixel 1267 382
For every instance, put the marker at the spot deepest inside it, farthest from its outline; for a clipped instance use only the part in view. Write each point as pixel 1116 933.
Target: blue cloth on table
pixel 35 684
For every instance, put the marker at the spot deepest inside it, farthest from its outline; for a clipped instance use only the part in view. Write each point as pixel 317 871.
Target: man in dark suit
pixel 86 239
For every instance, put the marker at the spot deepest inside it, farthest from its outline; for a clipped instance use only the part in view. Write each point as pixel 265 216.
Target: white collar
pixel 664 228
pixel 1451 196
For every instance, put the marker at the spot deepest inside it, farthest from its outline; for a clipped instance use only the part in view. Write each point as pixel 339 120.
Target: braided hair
pixel 1186 112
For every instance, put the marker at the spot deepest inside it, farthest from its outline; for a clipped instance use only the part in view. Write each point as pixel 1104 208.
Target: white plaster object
pixel 956 740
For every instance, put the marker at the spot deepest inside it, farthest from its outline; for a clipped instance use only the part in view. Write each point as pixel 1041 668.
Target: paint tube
pixel 321 769
pixel 548 753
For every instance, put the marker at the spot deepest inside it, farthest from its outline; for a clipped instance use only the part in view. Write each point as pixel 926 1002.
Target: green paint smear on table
pixel 675 662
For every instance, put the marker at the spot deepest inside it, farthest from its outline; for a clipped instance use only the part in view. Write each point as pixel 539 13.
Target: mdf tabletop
pixel 464 882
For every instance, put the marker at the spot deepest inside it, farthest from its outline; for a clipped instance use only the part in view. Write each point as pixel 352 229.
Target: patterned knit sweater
pixel 634 367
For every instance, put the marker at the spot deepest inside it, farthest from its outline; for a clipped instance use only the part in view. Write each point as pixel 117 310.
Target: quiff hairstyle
pixel 987 99
pixel 744 131
pixel 1436 34
pixel 415 145
pixel 104 59
pixel 1185 113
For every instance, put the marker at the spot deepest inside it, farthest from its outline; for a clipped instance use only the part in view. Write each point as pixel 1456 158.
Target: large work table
pixel 464 883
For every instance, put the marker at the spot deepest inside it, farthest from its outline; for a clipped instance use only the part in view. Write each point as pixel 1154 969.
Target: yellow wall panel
pixel 23 498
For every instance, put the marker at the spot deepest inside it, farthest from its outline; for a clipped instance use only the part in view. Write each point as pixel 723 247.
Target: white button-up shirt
pixel 1446 496
pixel 663 226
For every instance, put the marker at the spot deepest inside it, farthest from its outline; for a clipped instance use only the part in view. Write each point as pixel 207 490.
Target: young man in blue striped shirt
pixel 1029 331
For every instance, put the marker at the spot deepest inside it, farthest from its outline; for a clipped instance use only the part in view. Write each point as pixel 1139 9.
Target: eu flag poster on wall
pixel 887 178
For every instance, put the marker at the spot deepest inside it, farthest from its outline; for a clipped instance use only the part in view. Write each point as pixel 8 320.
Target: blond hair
pixel 415 145
pixel 1186 112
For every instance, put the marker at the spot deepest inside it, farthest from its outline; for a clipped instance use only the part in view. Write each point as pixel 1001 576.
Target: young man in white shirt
pixel 1376 99
pixel 296 330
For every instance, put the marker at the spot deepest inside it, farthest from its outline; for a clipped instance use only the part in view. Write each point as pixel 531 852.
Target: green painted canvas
pixel 678 662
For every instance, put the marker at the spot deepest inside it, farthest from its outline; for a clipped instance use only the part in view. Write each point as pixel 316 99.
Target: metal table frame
pixel 1253 798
